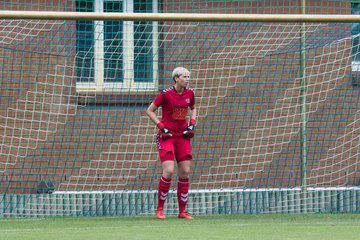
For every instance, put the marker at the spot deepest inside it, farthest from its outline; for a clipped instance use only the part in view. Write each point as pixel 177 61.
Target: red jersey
pixel 175 108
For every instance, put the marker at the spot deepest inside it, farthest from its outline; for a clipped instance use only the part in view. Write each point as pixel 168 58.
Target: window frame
pixel 128 83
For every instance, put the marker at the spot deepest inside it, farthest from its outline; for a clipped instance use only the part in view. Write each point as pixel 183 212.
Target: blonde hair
pixel 179 71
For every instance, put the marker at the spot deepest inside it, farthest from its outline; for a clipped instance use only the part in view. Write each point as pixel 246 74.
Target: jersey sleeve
pixel 192 101
pixel 159 99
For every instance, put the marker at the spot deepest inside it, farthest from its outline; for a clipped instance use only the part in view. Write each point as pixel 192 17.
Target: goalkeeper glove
pixel 164 132
pixel 189 132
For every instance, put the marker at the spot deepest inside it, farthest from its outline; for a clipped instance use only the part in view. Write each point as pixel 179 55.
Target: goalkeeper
pixel 173 138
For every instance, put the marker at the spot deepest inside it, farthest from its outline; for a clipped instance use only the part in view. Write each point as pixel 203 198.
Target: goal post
pixel 183 17
pixel 277 96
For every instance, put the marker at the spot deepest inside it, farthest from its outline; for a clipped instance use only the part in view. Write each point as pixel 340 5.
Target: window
pixel 355 32
pixel 116 56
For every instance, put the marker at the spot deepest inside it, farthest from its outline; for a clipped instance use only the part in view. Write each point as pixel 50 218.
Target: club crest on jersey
pixel 187 100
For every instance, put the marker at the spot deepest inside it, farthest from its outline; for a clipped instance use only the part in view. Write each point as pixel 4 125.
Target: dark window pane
pixel 85 44
pixel 113 49
pixel 143 51
pixel 355 30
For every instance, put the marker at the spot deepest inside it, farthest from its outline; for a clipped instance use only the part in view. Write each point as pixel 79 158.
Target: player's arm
pixel 193 113
pixel 151 113
pixel 165 133
pixel 190 130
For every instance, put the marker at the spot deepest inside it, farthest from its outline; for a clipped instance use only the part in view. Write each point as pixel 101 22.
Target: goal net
pixel 278 120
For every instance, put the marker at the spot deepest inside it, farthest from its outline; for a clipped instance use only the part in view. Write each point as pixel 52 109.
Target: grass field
pixel 273 226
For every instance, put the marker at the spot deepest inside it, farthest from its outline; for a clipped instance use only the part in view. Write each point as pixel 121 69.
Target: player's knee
pixel 184 167
pixel 168 172
pixel 167 160
pixel 184 174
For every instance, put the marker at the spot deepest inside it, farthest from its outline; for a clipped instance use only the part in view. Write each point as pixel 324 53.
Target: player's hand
pixel 165 133
pixel 189 132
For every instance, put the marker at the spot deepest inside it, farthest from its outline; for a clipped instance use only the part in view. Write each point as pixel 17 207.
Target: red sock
pixel 163 191
pixel 182 193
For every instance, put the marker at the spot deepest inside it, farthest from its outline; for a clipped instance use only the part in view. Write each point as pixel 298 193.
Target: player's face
pixel 183 80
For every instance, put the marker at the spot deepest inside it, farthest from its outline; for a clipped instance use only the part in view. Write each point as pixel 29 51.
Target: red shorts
pixel 175 147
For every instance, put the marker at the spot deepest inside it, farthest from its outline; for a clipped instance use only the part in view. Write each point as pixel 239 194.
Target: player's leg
pixel 166 153
pixel 184 156
pixel 183 187
pixel 165 182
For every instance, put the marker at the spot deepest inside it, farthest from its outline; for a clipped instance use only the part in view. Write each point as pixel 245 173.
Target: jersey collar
pixel 178 92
